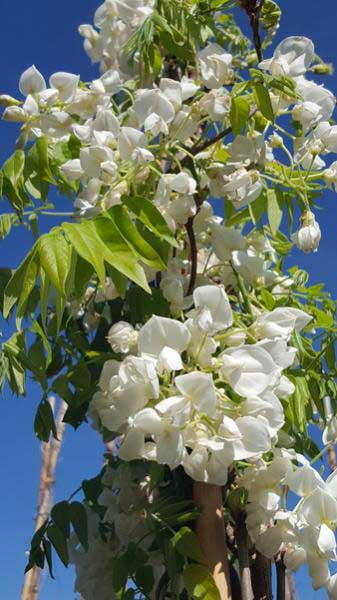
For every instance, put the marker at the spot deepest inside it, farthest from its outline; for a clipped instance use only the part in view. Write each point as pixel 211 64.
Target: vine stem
pixel 210 530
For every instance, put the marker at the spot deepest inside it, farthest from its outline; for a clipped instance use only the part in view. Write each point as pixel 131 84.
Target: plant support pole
pixel 210 530
pixel 50 453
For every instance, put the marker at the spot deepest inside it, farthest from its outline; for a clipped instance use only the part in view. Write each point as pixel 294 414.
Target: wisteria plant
pixel 165 310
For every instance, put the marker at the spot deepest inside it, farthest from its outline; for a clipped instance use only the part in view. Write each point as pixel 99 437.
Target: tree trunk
pixel 211 533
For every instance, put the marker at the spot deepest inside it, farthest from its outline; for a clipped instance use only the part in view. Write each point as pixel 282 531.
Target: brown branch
pixel 261 577
pixel 50 453
pixel 253 9
pixel 209 142
pixel 193 255
pixel 210 530
pixel 241 536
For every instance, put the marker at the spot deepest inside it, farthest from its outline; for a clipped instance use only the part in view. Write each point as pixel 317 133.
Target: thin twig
pixel 193 254
pixel 253 9
pixel 209 142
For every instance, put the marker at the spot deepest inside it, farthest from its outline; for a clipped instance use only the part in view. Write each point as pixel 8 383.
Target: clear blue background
pixel 45 34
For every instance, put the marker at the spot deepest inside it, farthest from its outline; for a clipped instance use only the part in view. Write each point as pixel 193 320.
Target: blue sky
pixel 45 33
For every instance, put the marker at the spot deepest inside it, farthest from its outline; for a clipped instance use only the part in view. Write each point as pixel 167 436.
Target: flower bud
pixel 275 140
pixel 6 100
pixel 323 69
pixel 308 236
pixel 15 114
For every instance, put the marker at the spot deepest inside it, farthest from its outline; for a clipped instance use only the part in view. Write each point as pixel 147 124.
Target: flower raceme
pixel 165 407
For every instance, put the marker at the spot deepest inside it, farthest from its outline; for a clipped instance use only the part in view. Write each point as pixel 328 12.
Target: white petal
pixel 31 81
pixel 132 446
pixel 148 421
pixel 199 389
pixel 159 332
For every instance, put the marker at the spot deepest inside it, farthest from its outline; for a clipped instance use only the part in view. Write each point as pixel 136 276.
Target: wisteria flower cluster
pixel 195 394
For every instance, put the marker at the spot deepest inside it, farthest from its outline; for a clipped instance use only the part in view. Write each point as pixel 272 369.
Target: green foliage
pixel 186 542
pixel 200 584
pixel 55 533
pixel 44 423
pixel 239 114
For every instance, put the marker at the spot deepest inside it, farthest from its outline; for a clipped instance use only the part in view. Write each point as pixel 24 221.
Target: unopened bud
pixel 308 236
pixel 6 100
pixel 275 140
pixel 15 114
pixel 316 148
pixel 323 69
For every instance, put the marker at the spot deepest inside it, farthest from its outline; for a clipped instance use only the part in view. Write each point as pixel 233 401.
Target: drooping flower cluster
pixel 194 393
pixel 125 498
pixel 305 534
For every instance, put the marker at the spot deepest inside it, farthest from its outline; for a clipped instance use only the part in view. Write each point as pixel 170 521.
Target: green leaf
pixel 142 306
pixel 55 258
pixel 79 520
pixel 84 239
pixel 43 160
pixel 274 209
pixel 200 584
pixel 60 514
pixel 323 319
pixel 330 355
pixel 44 423
pixel 119 280
pixel 13 167
pixel 59 542
pixel 15 352
pixel 21 284
pixel 239 114
pixel 150 216
pixel 120 572
pixel 267 299
pixel 39 331
pixel 117 253
pixel 92 488
pixel 5 275
pixel 82 275
pixel 263 101
pixel 48 554
pixel 186 542
pixel 299 401
pixel 144 578
pixel 44 295
pixel 130 234
pixel 6 223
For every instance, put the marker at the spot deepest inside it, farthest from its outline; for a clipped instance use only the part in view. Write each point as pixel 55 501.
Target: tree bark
pixel 50 453
pixel 261 577
pixel 241 536
pixel 210 529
